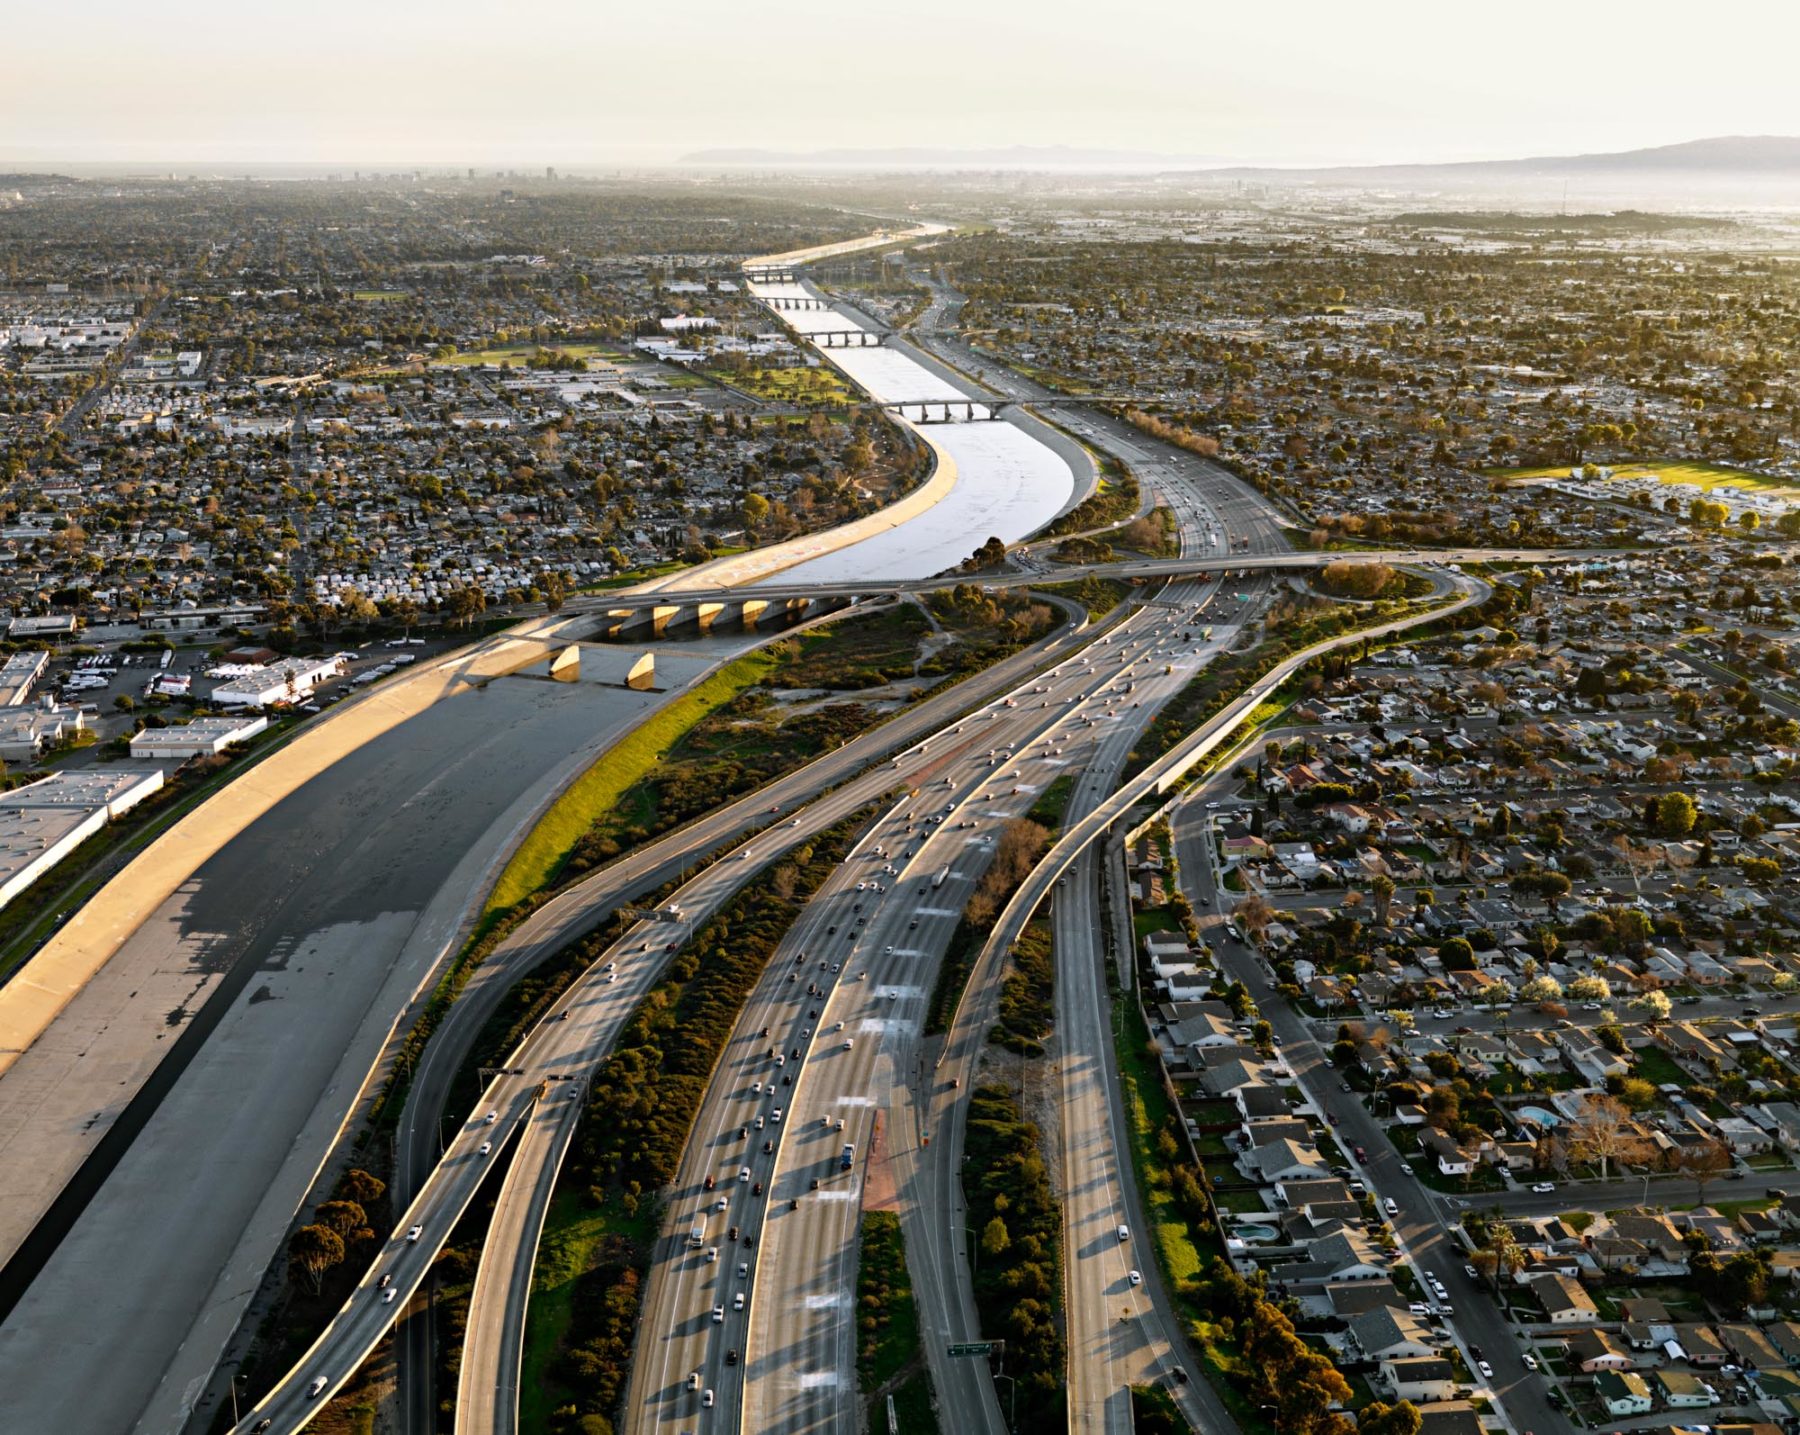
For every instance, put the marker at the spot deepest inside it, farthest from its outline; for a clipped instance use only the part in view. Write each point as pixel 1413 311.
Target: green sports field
pixel 517 354
pixel 1702 475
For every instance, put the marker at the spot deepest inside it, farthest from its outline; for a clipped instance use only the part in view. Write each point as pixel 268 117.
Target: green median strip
pixel 887 1318
pixel 1154 1412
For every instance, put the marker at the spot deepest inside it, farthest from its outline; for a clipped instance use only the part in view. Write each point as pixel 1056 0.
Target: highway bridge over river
pixel 637 614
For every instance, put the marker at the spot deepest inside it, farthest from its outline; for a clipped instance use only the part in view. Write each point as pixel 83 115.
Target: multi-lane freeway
pixel 578 1047
pixel 591 902
pixel 827 1068
pixel 986 771
pixel 794 1368
pixel 798 1356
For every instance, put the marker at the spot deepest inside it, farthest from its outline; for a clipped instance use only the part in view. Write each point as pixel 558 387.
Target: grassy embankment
pixel 1115 499
pixel 541 855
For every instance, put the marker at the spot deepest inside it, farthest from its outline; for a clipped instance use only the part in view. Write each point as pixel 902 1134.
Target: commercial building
pixel 196 618
pixel 25 732
pixel 53 625
pixel 42 823
pixel 289 680
pixel 19 674
pixel 203 737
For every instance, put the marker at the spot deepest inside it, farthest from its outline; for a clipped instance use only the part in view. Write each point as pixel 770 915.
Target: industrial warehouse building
pixel 203 737
pixel 287 681
pixel 19 674
pixel 44 822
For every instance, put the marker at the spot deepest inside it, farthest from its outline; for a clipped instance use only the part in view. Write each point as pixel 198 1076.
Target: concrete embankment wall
pixel 55 974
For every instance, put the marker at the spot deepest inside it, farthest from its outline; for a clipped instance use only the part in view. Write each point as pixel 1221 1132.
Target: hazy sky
pixel 642 81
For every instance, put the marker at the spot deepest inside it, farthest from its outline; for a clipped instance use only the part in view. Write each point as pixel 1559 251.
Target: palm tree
pixel 1382 888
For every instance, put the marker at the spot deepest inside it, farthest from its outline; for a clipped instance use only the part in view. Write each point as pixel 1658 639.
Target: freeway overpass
pixel 634 611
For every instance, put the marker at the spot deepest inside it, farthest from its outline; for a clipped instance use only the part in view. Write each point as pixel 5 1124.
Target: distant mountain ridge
pixel 1725 154
pixel 1720 155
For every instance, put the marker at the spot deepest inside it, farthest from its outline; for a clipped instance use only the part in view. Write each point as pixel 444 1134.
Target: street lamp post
pixel 1012 1419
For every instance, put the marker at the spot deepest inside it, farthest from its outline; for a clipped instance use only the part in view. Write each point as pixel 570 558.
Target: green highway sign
pixel 973 1347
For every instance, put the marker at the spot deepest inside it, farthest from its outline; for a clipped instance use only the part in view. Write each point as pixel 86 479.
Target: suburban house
pixel 1592 1350
pixel 1288 1160
pixel 1622 1393
pixel 1564 1301
pixel 1682 1390
pixel 1420 1378
pixel 1389 1334
pixel 1452 1159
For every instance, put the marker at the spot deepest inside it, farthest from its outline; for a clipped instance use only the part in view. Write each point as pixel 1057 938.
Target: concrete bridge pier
pixel 619 625
pixel 642 677
pixel 673 619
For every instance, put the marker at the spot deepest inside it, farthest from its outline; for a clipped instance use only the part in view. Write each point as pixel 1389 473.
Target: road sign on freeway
pixel 972 1347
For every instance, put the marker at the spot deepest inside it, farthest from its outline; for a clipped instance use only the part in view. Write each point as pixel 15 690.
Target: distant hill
pixel 1733 155
pixel 1751 158
pixel 927 157
pixel 1626 221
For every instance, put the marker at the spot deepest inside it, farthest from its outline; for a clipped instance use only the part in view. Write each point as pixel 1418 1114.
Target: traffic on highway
pixel 830 1095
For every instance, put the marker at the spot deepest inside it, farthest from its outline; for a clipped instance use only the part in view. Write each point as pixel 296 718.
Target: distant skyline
pixel 401 82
